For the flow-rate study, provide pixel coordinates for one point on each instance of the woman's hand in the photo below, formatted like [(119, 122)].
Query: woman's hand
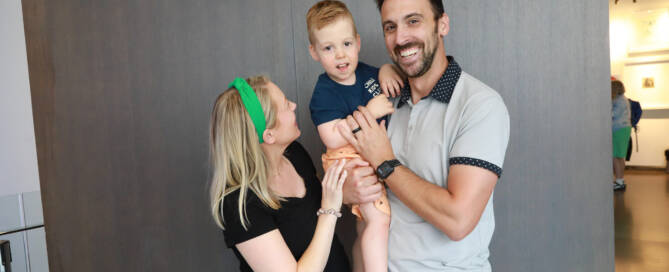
[(332, 186)]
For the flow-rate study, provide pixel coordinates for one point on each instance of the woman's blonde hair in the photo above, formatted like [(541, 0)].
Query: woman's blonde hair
[(237, 159)]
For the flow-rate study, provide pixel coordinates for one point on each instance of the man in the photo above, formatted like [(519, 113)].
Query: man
[(443, 151)]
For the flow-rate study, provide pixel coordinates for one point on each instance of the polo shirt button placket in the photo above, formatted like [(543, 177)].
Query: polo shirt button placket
[(409, 135)]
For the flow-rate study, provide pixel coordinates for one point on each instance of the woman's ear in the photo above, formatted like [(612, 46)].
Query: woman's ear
[(268, 136)]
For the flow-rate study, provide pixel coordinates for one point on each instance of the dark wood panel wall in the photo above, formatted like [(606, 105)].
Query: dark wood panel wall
[(122, 91)]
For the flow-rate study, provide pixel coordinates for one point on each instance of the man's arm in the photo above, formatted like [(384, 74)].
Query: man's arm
[(454, 210)]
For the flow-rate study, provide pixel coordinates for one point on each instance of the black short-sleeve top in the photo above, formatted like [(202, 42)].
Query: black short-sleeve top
[(296, 219)]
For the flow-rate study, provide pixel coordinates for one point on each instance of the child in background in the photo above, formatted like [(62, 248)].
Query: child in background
[(345, 85)]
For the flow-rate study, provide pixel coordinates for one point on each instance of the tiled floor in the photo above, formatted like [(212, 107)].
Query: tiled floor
[(642, 222)]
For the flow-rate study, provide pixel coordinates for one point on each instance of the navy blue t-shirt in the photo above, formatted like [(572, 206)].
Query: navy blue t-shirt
[(332, 100)]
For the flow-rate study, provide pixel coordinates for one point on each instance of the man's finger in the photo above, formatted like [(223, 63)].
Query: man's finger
[(383, 126), (355, 163), (351, 122), (348, 135), (367, 116), (360, 119), (365, 198), (364, 172)]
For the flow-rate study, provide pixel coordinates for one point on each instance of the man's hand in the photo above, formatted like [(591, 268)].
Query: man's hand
[(361, 185), (371, 141)]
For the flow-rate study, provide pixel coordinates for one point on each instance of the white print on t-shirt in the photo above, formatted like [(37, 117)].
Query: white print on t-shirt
[(372, 87)]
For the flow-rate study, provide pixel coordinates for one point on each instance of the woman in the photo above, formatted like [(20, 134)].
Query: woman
[(264, 193), (622, 127)]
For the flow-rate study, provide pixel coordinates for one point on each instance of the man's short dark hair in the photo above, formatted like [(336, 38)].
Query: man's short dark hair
[(437, 7)]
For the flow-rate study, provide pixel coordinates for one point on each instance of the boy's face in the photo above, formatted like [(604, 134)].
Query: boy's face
[(336, 48)]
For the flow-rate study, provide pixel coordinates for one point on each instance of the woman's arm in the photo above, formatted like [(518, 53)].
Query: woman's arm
[(269, 252)]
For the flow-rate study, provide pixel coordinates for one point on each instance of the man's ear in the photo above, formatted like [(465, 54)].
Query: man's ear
[(268, 136), (312, 51), (443, 25)]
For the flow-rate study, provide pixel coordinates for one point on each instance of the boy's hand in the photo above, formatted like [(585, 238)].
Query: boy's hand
[(391, 82), (380, 106)]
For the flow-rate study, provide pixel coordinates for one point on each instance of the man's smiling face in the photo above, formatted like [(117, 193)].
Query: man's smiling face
[(412, 34)]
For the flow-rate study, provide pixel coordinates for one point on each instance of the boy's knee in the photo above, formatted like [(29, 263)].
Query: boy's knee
[(380, 219)]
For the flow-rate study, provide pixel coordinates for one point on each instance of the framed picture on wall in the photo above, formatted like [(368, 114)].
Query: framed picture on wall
[(648, 82)]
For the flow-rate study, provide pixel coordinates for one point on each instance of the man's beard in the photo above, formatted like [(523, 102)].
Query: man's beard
[(425, 62)]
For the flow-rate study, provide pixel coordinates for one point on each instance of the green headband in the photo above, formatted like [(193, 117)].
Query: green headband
[(251, 103)]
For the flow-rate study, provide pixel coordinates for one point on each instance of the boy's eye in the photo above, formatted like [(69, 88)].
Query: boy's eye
[(327, 48), (413, 21), (347, 43)]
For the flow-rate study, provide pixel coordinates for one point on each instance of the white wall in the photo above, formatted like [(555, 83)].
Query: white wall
[(20, 201), (18, 156), (653, 140), (638, 52)]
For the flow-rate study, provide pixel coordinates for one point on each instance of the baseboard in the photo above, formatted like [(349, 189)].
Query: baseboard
[(648, 168)]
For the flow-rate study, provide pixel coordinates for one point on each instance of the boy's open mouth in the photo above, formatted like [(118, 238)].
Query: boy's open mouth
[(342, 67)]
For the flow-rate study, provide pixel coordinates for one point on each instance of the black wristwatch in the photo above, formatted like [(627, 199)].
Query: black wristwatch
[(386, 168)]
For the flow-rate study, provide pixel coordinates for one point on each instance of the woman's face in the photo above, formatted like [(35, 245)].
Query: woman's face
[(285, 128)]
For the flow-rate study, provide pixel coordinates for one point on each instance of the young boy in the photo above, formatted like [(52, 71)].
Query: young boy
[(345, 85)]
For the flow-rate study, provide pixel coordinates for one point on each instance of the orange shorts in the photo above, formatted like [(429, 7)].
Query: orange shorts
[(348, 152)]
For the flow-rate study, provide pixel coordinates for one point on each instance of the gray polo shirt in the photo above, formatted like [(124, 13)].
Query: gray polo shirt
[(462, 121)]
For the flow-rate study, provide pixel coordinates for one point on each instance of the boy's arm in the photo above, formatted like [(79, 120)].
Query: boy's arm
[(379, 106), (391, 80), (329, 134)]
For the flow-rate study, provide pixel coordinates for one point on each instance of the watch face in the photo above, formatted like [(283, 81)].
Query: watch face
[(384, 170)]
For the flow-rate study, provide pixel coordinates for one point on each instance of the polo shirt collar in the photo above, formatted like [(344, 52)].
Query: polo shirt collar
[(444, 88)]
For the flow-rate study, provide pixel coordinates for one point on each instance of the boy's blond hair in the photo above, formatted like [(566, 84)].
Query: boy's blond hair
[(324, 13)]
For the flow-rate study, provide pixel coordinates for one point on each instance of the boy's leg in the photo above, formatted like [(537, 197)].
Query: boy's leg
[(374, 238), (619, 168), (357, 252)]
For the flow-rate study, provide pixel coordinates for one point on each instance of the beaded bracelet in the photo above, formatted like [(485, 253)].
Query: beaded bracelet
[(328, 211)]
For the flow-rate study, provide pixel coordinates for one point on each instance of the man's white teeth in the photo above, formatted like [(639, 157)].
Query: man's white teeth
[(409, 52)]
